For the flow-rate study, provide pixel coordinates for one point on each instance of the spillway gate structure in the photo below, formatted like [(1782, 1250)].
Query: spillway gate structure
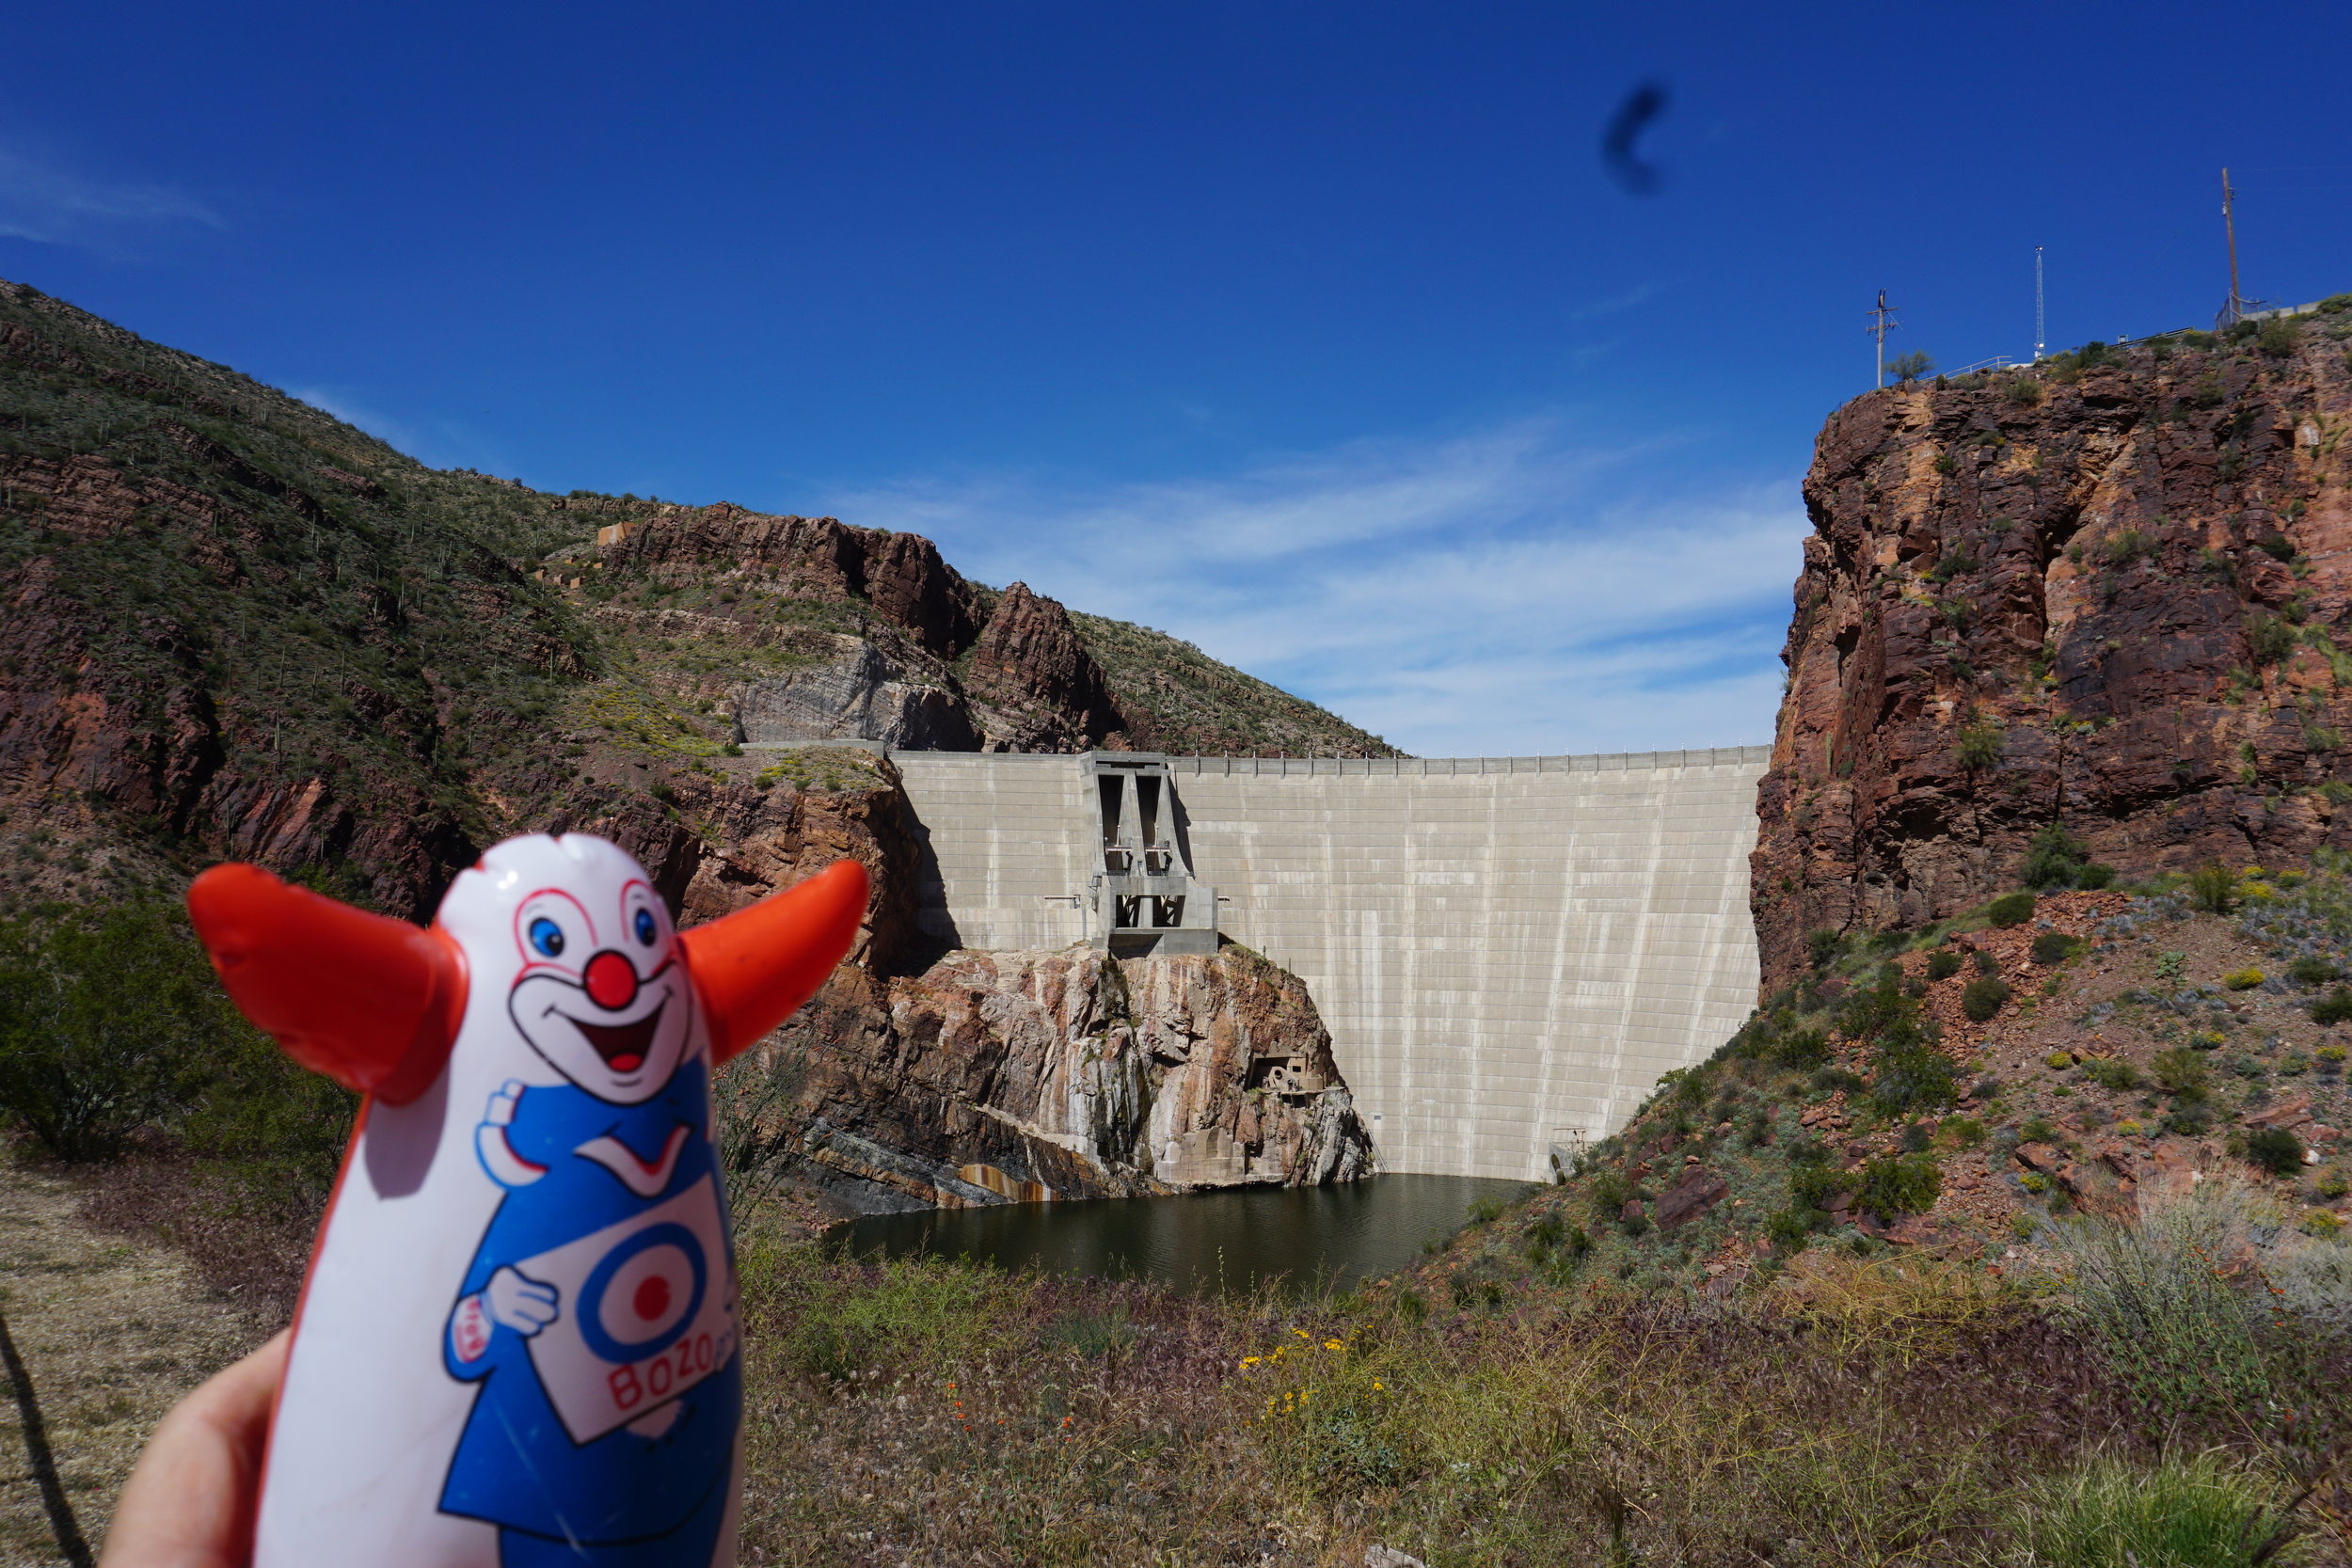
[(1508, 950)]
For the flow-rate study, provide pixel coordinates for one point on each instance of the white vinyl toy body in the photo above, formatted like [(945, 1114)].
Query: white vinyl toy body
[(518, 1344)]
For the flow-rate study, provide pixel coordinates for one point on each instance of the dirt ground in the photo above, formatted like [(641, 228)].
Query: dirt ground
[(111, 1332)]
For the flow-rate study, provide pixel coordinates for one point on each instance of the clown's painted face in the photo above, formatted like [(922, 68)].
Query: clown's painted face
[(600, 994)]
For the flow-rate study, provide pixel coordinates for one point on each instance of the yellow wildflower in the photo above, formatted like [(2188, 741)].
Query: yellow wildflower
[(1333, 1344)]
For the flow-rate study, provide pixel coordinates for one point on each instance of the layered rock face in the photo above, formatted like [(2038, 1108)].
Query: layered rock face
[(2109, 594), (870, 634), (1002, 1077)]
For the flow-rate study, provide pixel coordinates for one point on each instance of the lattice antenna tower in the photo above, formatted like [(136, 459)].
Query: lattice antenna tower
[(1882, 321)]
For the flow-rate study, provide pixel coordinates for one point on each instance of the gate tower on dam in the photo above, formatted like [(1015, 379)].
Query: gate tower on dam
[(1508, 950)]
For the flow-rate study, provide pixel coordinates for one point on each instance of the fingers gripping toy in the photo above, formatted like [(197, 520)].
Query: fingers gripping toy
[(517, 1342)]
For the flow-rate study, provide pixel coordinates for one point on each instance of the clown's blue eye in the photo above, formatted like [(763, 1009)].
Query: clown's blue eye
[(644, 927), (547, 936)]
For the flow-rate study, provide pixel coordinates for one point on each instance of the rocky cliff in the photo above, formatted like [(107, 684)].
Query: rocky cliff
[(799, 629), (2110, 596), (1013, 1076)]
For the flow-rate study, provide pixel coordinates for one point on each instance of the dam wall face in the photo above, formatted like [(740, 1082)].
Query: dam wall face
[(1508, 952)]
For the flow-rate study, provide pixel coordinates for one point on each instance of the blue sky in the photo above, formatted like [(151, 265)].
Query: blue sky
[(1314, 333)]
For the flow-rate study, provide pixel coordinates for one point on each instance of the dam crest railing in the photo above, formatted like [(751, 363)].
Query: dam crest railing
[(1282, 767)]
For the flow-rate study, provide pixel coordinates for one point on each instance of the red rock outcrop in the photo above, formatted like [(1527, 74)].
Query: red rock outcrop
[(2112, 594), (1014, 677), (1029, 663), (1010, 1076)]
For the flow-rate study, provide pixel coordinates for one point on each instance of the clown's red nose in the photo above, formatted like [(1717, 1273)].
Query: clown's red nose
[(611, 981)]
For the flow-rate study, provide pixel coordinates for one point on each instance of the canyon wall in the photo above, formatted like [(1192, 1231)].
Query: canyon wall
[(2110, 595)]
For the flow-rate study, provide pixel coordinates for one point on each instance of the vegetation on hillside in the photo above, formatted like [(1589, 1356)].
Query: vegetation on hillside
[(240, 613), (1183, 701)]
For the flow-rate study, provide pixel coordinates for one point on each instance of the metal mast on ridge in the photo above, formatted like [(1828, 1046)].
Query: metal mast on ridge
[(1882, 321)]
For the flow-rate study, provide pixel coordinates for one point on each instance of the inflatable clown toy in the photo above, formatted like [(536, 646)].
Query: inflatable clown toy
[(517, 1343)]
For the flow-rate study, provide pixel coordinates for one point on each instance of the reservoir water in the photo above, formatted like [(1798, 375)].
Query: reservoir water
[(1298, 1236)]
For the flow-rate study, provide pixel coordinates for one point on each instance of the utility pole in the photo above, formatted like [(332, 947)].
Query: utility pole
[(2236, 307), (1882, 321), (2040, 339)]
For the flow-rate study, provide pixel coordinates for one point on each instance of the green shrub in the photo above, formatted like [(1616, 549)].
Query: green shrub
[(2197, 1513), (1823, 945), (2010, 909), (2023, 391), (2054, 947), (1790, 1229), (1965, 1131), (2243, 980), (2277, 336), (1812, 1186), (1984, 997), (2038, 1129), (1899, 1184), (1801, 1047), (112, 1019), (2268, 638), (2053, 860), (1608, 1194), (1978, 744), (1987, 963), (2313, 971), (2095, 876), (2212, 887), (1943, 964), (1911, 1075), (2334, 1007), (2181, 1071), (1484, 1211), (2276, 1150), (2117, 1074)]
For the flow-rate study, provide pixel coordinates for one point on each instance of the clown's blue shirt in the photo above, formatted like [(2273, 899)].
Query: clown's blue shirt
[(515, 1466)]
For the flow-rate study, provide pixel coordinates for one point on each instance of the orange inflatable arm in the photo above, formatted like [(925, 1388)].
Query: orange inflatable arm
[(753, 969), (371, 1002)]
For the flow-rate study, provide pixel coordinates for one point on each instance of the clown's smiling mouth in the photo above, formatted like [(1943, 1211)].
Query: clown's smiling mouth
[(621, 1045)]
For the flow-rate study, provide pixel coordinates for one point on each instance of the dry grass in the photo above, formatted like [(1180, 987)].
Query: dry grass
[(112, 1331), (1857, 1412)]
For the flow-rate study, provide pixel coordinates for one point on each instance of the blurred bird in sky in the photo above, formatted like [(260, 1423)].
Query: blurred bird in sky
[(1641, 105)]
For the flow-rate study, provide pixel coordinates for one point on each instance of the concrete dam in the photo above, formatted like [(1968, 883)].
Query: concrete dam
[(1508, 952)]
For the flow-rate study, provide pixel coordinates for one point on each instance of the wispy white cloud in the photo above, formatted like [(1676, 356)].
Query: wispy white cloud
[(1528, 588), (43, 202)]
